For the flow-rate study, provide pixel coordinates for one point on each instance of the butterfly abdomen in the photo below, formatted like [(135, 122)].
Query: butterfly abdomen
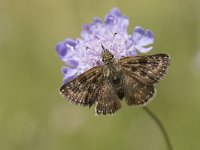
[(114, 77)]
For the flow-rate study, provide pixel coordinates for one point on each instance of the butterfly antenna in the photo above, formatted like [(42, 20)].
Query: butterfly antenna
[(91, 49), (103, 47)]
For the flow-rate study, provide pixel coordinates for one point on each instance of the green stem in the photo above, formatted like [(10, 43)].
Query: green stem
[(158, 122)]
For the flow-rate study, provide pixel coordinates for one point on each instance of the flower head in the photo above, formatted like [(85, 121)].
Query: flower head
[(83, 53)]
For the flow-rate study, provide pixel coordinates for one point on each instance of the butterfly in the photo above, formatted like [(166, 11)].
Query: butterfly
[(131, 78)]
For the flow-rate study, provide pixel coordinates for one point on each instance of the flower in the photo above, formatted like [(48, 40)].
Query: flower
[(81, 54)]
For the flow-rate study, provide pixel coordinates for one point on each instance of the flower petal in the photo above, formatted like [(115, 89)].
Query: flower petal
[(91, 29), (138, 34), (64, 70), (69, 73), (124, 23), (142, 39), (72, 62), (61, 49), (110, 18), (147, 38), (143, 49), (114, 18), (70, 42)]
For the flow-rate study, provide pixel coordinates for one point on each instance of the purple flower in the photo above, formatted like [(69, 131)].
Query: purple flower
[(81, 54)]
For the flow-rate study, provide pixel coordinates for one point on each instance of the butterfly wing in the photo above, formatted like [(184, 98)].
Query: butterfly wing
[(92, 87), (146, 69), (84, 89), (137, 93), (107, 102), (140, 74)]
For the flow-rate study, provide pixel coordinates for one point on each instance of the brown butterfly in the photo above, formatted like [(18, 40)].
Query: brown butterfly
[(132, 78)]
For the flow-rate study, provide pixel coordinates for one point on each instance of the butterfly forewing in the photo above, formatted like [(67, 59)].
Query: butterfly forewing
[(146, 69), (85, 88)]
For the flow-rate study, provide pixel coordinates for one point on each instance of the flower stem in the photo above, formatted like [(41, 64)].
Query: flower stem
[(160, 125)]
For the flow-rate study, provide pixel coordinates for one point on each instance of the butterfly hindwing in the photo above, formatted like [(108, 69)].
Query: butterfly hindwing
[(137, 93), (107, 101)]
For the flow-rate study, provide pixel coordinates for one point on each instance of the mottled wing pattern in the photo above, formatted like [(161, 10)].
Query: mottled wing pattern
[(84, 89), (137, 93), (146, 69), (107, 102), (140, 74)]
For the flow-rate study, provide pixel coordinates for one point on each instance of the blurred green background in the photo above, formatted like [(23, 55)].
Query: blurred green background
[(33, 116)]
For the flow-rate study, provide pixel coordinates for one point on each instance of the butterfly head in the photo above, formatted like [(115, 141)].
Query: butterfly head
[(107, 57)]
